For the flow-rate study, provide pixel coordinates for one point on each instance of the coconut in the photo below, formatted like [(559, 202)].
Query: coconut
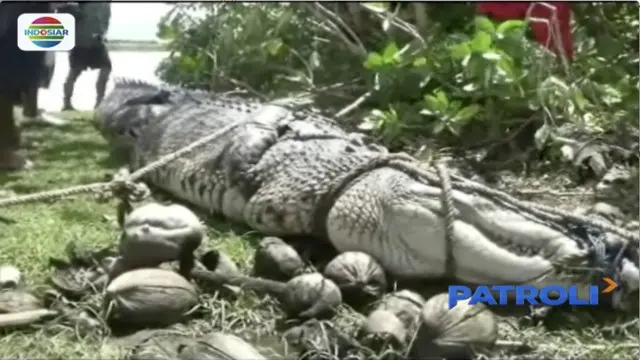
[(159, 346), (14, 301), (310, 295), (454, 333), (154, 233), (406, 306), (360, 277), (304, 296), (395, 317), (277, 260), (10, 276), (218, 261), (220, 346), (147, 297), (320, 339), (382, 326)]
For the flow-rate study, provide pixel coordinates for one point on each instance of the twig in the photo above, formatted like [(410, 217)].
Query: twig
[(335, 30), (554, 193), (247, 87), (354, 104), (397, 22), (336, 18)]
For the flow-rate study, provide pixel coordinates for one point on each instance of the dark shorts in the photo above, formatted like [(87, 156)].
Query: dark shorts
[(92, 57)]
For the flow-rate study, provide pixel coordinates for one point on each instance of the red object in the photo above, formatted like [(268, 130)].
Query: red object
[(518, 10)]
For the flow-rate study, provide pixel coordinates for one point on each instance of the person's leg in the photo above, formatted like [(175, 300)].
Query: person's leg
[(30, 102), (103, 75), (75, 69), (10, 159)]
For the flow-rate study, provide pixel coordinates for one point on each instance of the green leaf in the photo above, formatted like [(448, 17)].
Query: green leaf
[(438, 127), (373, 61), (460, 51), (421, 61), (369, 124), (273, 46), (443, 101), (506, 65), (467, 113), (491, 55), (390, 52), (454, 128), (431, 102), (484, 24), (481, 42), (511, 25)]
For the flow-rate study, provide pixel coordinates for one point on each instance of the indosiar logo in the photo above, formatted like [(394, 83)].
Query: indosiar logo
[(46, 32), (528, 295)]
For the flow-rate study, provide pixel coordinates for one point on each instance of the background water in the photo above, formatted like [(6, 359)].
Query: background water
[(139, 65)]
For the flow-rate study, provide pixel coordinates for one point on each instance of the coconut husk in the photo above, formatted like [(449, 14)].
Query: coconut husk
[(458, 333), (83, 272), (149, 297), (317, 339), (14, 301), (310, 295), (10, 276), (159, 347), (276, 260), (219, 346), (383, 326), (359, 276)]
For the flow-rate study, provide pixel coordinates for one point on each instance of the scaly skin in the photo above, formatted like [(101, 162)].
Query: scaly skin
[(273, 172)]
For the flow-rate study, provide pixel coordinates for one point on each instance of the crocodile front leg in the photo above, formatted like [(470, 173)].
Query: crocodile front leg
[(401, 223)]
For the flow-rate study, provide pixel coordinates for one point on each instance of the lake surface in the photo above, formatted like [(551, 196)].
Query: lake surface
[(139, 65)]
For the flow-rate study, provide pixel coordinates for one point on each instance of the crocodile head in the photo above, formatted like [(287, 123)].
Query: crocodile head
[(129, 107)]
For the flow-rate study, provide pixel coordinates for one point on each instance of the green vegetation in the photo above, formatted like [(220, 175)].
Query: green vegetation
[(460, 81)]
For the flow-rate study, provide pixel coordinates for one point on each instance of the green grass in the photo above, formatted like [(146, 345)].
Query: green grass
[(31, 233)]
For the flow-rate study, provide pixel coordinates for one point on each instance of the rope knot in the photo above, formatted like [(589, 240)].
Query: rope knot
[(126, 190)]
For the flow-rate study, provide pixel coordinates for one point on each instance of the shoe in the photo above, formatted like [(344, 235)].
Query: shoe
[(68, 107), (12, 161)]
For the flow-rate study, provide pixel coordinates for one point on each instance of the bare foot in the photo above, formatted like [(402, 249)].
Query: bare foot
[(13, 161)]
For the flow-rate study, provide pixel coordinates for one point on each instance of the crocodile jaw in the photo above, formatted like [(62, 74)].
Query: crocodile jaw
[(400, 222)]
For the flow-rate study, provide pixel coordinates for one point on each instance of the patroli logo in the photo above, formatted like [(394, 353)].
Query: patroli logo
[(46, 32), (528, 295)]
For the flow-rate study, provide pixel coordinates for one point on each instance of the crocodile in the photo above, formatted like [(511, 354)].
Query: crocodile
[(276, 172)]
